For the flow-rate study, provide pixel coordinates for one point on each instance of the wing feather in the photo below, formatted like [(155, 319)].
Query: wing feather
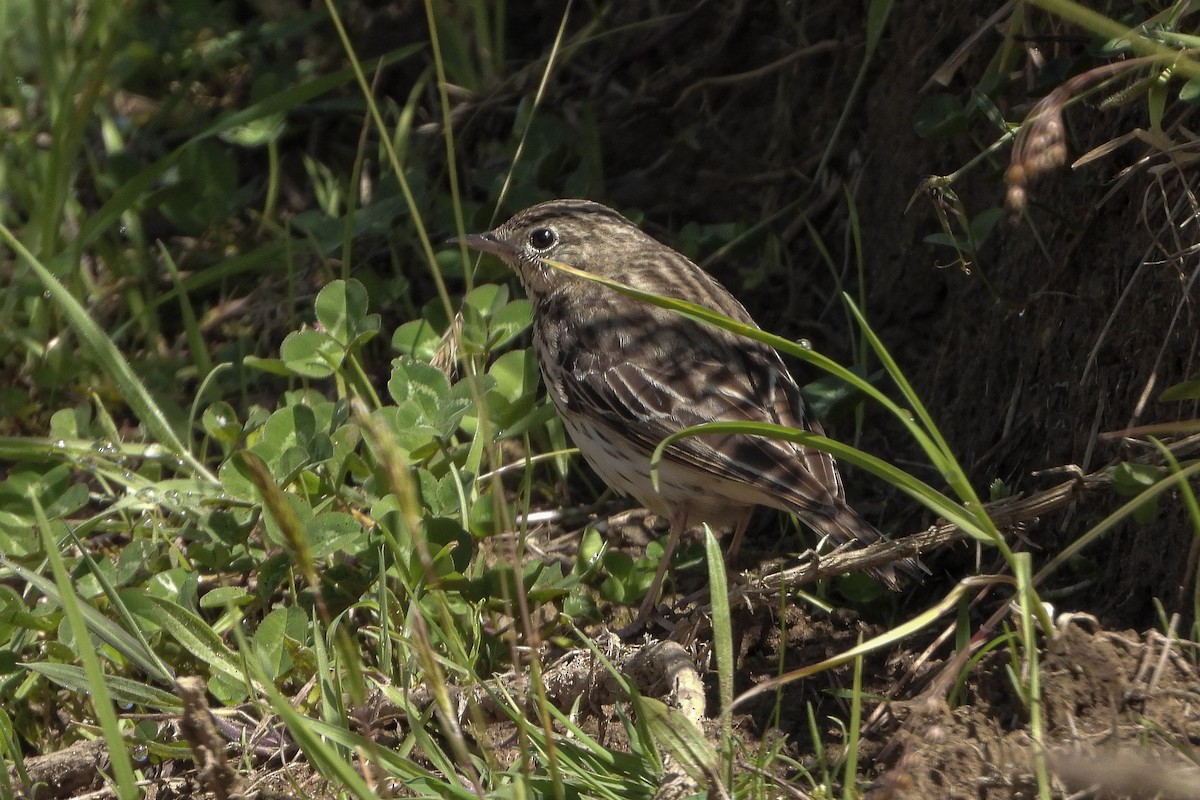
[(689, 374)]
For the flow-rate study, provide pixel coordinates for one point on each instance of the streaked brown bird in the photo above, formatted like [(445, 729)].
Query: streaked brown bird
[(624, 375)]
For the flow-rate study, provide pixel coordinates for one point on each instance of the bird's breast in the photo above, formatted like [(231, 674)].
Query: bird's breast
[(625, 467)]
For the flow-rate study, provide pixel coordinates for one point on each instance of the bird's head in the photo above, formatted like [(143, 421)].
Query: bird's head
[(580, 233)]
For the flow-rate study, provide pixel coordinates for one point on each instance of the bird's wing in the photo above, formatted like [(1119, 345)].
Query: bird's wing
[(692, 374)]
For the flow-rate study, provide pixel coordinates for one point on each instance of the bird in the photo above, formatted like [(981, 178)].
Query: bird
[(623, 375)]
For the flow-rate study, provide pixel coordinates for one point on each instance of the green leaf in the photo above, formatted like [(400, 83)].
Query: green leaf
[(425, 398), (14, 614), (224, 596), (497, 587), (294, 436), (220, 421), (512, 396), (137, 559), (679, 737), (273, 532), (270, 639), (271, 366), (1156, 100), (187, 629), (486, 298), (508, 322), (418, 340), (451, 412), (420, 384), (334, 531), (410, 430), (1132, 479), (122, 690), (473, 331), (1190, 91), (628, 580), (1188, 390), (591, 551), (450, 545), (69, 502), (311, 353), (516, 375), (439, 496), (71, 423), (878, 13), (258, 132), (202, 187), (983, 224), (341, 308)]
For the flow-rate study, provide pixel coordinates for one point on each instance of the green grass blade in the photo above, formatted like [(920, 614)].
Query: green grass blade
[(824, 363), (145, 655), (1031, 609), (12, 754), (887, 639), (914, 487), (1109, 522), (190, 632), (945, 461), (722, 622), (122, 690), (101, 701), (101, 626), (853, 728), (110, 359)]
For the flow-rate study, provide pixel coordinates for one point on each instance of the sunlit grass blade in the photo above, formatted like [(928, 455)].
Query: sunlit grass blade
[(190, 632), (722, 623), (110, 359), (927, 442), (101, 700), (1193, 509), (129, 645), (1108, 523), (121, 690), (940, 453), (12, 754), (145, 655), (914, 487), (1029, 610), (853, 731), (886, 639), (680, 738), (311, 734)]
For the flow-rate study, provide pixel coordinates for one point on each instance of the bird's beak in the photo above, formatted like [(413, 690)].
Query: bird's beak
[(487, 243)]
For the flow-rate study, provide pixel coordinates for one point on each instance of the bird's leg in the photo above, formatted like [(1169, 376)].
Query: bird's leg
[(735, 544), (678, 525)]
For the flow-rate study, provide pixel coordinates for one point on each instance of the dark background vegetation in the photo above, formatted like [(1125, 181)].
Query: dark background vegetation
[(778, 144)]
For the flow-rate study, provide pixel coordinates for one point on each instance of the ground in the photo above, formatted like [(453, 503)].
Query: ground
[(1067, 324)]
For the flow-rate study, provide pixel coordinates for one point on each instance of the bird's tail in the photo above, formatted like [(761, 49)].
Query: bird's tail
[(844, 525)]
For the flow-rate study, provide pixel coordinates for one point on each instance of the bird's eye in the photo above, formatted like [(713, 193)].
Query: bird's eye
[(542, 239)]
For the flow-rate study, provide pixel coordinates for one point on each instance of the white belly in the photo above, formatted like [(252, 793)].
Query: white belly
[(627, 470)]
